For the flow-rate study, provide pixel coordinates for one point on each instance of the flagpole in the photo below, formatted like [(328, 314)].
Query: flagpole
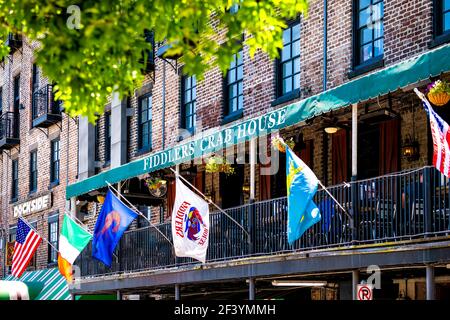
[(138, 212), (43, 238), (334, 199), (209, 201), (323, 187), (82, 225)]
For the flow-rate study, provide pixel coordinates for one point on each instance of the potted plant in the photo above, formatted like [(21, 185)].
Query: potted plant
[(219, 164), (279, 143), (156, 186), (439, 93)]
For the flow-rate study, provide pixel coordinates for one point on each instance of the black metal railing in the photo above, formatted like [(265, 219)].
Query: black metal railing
[(403, 206), (9, 125), (43, 102)]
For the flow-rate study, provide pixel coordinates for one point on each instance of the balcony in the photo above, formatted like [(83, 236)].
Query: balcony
[(407, 208), (9, 130), (45, 110), (14, 42)]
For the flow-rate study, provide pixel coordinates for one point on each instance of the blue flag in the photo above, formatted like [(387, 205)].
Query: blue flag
[(113, 220), (301, 185)]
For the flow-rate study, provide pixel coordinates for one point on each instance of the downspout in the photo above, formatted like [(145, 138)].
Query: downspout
[(325, 45), (164, 106), (324, 87), (67, 157)]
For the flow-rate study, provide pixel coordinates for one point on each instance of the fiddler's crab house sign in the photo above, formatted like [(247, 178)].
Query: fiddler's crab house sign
[(37, 204)]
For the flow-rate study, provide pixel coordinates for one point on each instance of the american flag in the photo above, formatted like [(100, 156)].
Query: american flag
[(441, 139), (27, 241)]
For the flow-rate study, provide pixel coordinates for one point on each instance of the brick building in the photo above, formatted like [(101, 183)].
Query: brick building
[(36, 160), (343, 91)]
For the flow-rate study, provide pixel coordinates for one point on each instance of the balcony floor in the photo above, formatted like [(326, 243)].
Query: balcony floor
[(8, 143), (393, 254)]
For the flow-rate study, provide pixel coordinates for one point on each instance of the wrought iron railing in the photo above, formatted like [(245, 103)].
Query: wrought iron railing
[(9, 125), (403, 206), (44, 103)]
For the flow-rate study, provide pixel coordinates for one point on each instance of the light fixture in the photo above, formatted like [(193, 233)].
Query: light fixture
[(410, 149), (331, 129), (100, 199), (246, 188), (298, 283)]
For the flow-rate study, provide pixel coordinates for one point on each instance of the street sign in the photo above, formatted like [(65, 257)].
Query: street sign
[(364, 292)]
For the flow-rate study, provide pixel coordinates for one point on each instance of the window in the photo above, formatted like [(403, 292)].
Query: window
[(53, 239), (147, 212), (289, 62), (35, 88), (442, 17), (16, 93), (446, 16), (11, 238), (33, 171), (145, 123), (54, 162), (15, 180), (234, 93), (107, 137), (189, 102), (368, 32)]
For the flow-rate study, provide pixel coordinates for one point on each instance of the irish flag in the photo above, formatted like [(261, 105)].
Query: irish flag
[(72, 241)]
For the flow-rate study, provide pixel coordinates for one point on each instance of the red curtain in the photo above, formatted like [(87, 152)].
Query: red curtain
[(264, 184), (170, 198), (339, 156), (198, 181), (306, 153), (389, 146)]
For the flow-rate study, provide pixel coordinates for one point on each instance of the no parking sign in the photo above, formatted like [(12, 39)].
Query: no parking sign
[(364, 292)]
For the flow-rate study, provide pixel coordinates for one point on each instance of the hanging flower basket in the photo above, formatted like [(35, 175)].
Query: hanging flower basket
[(156, 186), (279, 143), (439, 93), (219, 164)]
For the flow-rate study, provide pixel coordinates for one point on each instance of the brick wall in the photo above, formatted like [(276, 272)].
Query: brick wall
[(33, 138), (408, 31)]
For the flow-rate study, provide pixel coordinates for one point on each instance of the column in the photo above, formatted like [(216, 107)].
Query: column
[(354, 189), (355, 282), (177, 292), (86, 148), (251, 289), (118, 131), (431, 285)]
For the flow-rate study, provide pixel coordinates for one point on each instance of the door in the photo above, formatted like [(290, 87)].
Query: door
[(231, 188)]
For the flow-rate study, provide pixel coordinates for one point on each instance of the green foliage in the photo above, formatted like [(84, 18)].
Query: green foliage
[(219, 164), (439, 86), (104, 51)]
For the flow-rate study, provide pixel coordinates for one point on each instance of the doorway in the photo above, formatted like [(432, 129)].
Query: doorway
[(231, 187)]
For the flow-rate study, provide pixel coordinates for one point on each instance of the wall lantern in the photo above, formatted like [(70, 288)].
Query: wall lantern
[(410, 149)]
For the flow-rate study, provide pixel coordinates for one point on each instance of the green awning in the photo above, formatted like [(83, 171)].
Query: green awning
[(431, 63), (55, 285)]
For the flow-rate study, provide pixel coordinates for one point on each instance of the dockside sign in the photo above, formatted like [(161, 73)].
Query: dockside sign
[(40, 203)]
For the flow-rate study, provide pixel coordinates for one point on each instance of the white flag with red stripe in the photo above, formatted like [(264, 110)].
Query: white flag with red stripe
[(441, 137), (27, 241)]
